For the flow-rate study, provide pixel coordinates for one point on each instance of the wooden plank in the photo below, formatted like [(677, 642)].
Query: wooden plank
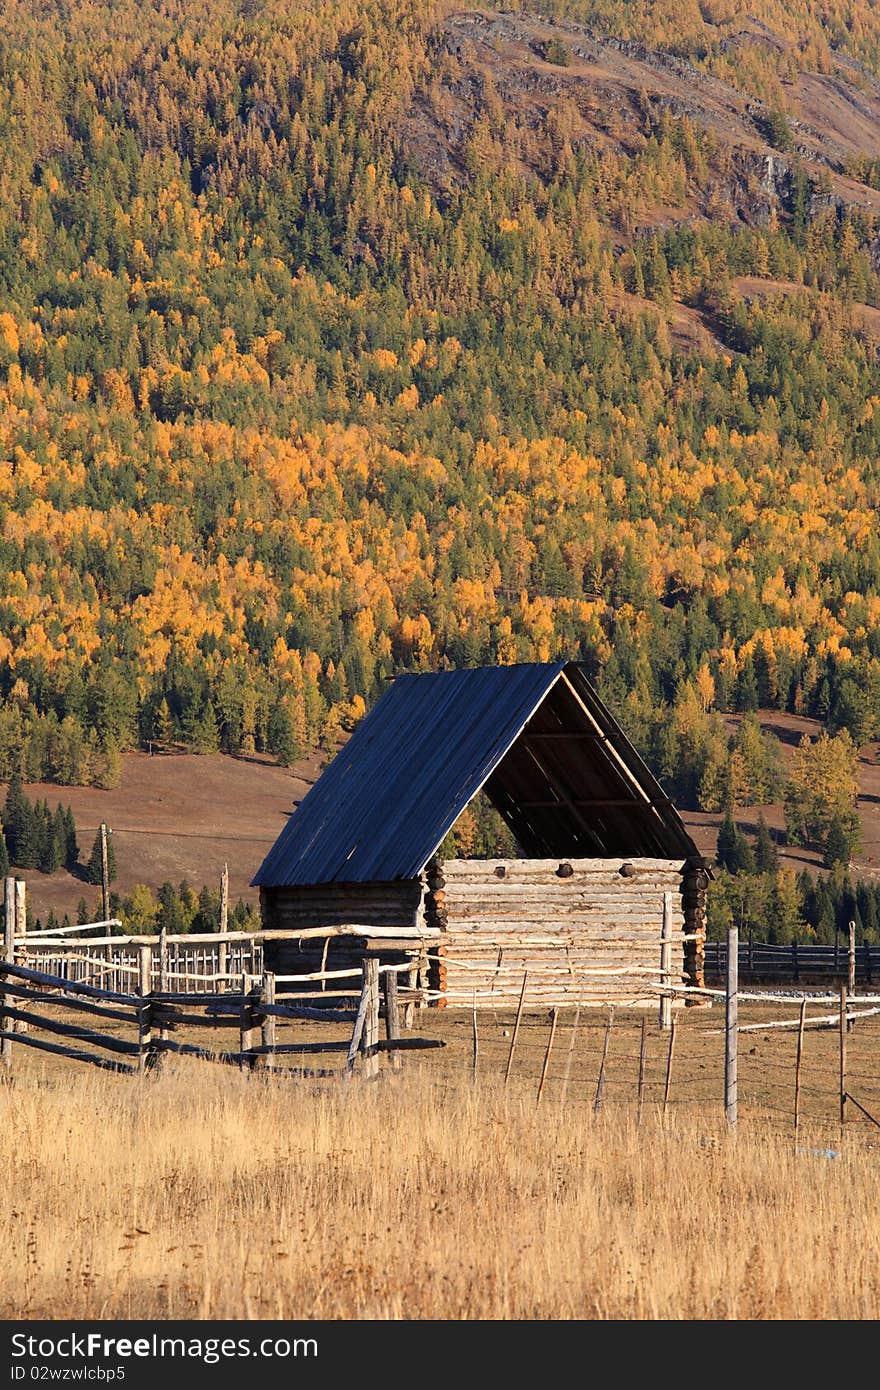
[(246, 1026), (476, 1040), (199, 999), (299, 1011), (666, 963), (60, 1001), (163, 973), (223, 949), (71, 1030), (851, 973), (43, 1045), (406, 935), (165, 1017), (206, 1054), (105, 871), (22, 972), (52, 932)]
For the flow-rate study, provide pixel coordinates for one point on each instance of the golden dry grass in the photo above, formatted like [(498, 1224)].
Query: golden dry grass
[(204, 1193)]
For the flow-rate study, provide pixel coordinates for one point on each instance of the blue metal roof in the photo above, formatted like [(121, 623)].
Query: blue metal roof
[(386, 802), (406, 774)]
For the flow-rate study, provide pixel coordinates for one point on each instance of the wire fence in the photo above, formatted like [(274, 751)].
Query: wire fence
[(802, 1058)]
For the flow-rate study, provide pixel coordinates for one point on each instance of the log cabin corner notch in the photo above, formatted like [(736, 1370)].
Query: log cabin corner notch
[(601, 844)]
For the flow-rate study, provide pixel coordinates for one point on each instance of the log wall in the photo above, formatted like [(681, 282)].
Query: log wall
[(329, 905), (340, 904), (563, 923)]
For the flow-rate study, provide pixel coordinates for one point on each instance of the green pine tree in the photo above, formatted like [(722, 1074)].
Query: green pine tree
[(27, 847), (766, 857), (283, 741), (14, 814), (71, 847)]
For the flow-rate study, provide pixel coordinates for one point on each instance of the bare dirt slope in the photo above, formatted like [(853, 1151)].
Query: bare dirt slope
[(177, 816), (609, 89)]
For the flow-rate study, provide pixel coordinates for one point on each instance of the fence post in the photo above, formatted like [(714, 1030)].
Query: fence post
[(642, 1056), (665, 959), (145, 1009), (797, 1067), (357, 1034), (20, 934), (267, 1027), (222, 957), (668, 1086), (105, 872), (9, 958), (369, 1042), (412, 980), (842, 1054), (545, 1067), (851, 973), (570, 1054), (476, 1040), (600, 1084), (245, 1026), (519, 1009), (163, 972), (731, 1026), (392, 1015)]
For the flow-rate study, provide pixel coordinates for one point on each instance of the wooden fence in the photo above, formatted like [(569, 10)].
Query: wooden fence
[(798, 963), (115, 964), (253, 1012), (82, 990)]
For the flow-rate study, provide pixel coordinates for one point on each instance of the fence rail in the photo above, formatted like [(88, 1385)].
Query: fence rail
[(154, 1015), (760, 963), (116, 965)]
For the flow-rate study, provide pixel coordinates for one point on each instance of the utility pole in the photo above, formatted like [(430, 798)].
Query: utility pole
[(105, 872)]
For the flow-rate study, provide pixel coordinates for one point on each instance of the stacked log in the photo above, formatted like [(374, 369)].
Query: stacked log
[(587, 931)]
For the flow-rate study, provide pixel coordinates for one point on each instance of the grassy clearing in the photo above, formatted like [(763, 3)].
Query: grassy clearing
[(205, 1193)]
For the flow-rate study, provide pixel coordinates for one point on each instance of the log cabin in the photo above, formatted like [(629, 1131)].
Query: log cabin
[(605, 869)]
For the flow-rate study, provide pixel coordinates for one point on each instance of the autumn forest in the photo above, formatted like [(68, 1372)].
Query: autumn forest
[(289, 402)]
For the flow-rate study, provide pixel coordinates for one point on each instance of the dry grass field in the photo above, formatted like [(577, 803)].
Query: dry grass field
[(202, 1192)]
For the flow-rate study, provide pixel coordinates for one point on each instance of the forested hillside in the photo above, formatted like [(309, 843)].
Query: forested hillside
[(338, 339)]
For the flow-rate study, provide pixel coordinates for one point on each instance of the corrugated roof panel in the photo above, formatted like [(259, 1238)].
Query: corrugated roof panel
[(406, 774)]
